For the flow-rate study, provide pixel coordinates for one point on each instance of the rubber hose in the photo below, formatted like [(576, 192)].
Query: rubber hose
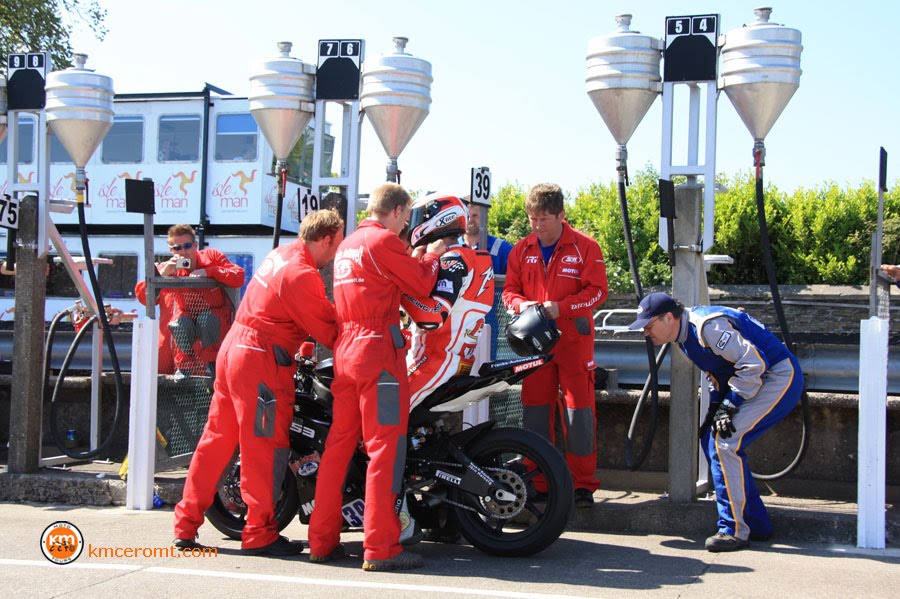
[(652, 382), (279, 204), (653, 378), (70, 354), (113, 356), (782, 322), (48, 351)]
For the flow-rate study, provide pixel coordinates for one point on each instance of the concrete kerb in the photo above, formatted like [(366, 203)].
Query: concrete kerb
[(615, 511)]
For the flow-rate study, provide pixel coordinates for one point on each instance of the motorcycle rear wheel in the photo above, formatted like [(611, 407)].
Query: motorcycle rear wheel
[(538, 521), (228, 513)]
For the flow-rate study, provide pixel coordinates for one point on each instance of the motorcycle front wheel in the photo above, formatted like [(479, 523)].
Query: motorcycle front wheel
[(530, 522), (228, 513)]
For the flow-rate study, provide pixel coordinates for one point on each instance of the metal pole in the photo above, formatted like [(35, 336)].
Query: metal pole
[(683, 410), (150, 272), (25, 413), (879, 287)]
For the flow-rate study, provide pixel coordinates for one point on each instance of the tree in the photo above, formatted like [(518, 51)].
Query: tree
[(46, 26)]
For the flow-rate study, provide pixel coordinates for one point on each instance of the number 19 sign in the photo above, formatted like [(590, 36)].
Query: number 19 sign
[(481, 185)]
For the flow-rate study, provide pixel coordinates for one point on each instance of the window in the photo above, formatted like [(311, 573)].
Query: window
[(26, 141), (125, 141), (7, 283), (245, 261), (237, 138), (179, 138), (59, 283), (300, 160), (58, 152), (117, 279)]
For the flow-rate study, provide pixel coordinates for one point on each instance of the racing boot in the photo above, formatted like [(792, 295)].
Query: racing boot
[(280, 547), (722, 541), (410, 532), (187, 544), (337, 553), (402, 561)]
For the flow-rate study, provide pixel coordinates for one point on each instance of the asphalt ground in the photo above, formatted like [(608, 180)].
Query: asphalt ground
[(617, 510), (579, 564)]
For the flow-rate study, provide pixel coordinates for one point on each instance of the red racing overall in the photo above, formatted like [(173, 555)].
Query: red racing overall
[(203, 313), (371, 392), (575, 278), (448, 323), (253, 403)]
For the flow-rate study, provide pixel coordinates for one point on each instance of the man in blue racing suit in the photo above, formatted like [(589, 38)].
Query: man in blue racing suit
[(754, 383)]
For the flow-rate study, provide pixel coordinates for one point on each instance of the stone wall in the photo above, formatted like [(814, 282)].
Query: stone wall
[(810, 310), (829, 468)]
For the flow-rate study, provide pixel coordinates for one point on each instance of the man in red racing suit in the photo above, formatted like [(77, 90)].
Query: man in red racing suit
[(447, 324), (564, 270), (253, 403), (370, 388), (193, 322)]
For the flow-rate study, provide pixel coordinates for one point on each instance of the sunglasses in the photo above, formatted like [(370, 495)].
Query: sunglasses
[(183, 246)]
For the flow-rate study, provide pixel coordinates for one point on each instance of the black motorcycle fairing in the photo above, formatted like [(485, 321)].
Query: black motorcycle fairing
[(521, 367)]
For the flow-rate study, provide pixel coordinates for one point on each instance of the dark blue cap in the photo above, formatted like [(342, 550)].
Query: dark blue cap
[(651, 306)]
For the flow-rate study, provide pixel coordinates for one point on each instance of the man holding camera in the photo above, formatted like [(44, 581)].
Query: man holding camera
[(196, 319)]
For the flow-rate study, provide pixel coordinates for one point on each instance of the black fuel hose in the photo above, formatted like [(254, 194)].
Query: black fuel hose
[(279, 206), (652, 383), (113, 356), (63, 371), (782, 321), (48, 350), (653, 378)]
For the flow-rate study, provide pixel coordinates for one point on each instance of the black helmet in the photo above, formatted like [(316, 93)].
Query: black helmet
[(531, 333)]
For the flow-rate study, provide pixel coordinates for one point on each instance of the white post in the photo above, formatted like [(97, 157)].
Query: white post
[(481, 411), (142, 415), (873, 359)]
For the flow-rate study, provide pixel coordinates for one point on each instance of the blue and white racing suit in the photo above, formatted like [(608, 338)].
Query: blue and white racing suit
[(748, 365)]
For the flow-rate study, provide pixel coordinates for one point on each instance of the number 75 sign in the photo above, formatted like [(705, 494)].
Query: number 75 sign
[(9, 213)]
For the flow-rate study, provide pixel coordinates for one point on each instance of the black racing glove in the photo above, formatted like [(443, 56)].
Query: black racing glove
[(723, 421)]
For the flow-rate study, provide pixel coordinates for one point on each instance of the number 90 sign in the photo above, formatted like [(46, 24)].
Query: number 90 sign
[(481, 185)]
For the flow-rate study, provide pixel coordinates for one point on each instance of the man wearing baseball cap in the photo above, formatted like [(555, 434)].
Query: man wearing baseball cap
[(754, 382)]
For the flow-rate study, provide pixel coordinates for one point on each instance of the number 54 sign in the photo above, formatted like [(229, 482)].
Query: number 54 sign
[(481, 185)]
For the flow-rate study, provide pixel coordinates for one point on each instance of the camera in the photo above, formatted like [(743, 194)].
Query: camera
[(184, 263)]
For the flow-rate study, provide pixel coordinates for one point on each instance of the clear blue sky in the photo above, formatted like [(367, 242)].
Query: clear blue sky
[(509, 89)]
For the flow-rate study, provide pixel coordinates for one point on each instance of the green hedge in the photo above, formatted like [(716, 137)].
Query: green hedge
[(820, 235)]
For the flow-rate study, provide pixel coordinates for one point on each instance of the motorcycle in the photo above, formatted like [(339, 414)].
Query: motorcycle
[(482, 480)]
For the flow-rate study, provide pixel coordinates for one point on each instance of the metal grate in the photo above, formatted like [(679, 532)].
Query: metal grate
[(506, 407), (193, 322)]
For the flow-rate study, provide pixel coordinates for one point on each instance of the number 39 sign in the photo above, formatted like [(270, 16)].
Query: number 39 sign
[(481, 185)]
